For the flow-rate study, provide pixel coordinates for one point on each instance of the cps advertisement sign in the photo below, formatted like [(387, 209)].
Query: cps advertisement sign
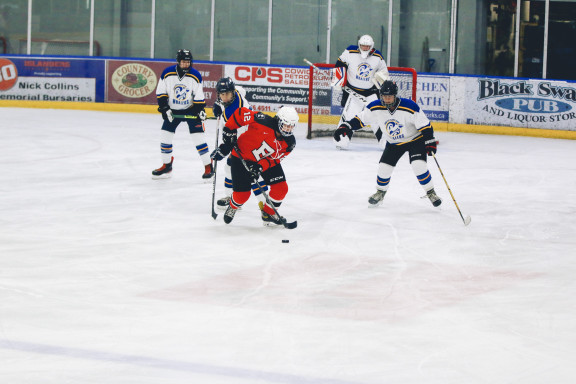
[(51, 79), (269, 87), (517, 103)]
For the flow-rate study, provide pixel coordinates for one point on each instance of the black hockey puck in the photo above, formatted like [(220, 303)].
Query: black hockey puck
[(285, 241)]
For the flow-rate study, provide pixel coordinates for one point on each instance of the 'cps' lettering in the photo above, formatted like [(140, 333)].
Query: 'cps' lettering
[(272, 75)]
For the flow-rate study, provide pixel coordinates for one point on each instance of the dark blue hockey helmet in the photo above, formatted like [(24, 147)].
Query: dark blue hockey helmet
[(388, 88), (184, 54), (225, 85)]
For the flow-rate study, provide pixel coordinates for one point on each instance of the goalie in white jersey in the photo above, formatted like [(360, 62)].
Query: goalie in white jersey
[(180, 93), (359, 68), (407, 129)]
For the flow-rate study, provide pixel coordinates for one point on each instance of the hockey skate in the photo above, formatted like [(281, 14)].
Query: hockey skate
[(434, 199), (229, 214), (208, 172), (272, 220), (223, 202), (164, 172), (377, 198)]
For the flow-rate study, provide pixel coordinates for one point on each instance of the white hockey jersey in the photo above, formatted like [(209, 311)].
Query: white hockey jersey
[(361, 71), (405, 124), (182, 92)]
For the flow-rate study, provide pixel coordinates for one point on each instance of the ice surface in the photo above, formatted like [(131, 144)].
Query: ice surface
[(108, 276)]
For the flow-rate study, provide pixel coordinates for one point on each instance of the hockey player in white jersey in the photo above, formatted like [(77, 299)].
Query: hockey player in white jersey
[(180, 92), (361, 63), (230, 98), (407, 129)]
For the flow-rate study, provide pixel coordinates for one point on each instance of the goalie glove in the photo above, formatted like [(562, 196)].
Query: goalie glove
[(166, 113), (430, 146), (343, 131)]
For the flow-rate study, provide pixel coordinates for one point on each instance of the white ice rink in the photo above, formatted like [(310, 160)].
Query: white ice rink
[(108, 276)]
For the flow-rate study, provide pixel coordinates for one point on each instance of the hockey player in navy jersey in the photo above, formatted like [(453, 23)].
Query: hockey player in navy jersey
[(231, 98), (407, 129), (361, 63), (180, 92)]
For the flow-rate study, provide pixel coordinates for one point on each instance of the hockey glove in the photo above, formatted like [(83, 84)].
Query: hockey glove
[(217, 110), (217, 155), (228, 137), (342, 131), (254, 169), (430, 146), (202, 115), (166, 113)]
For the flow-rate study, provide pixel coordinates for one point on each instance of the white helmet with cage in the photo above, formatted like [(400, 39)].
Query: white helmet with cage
[(287, 120), (365, 40)]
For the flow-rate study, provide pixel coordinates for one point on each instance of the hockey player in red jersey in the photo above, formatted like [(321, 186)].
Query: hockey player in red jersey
[(258, 152)]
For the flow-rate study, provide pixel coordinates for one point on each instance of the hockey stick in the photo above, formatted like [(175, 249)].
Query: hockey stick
[(214, 214), (193, 117), (468, 218), (288, 225)]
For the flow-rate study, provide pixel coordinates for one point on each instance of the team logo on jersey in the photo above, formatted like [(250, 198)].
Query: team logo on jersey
[(363, 72), (180, 94), (134, 80), (394, 129)]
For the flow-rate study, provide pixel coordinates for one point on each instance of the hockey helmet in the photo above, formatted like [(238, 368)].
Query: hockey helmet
[(287, 120), (225, 85), (365, 40), (184, 54), (388, 88)]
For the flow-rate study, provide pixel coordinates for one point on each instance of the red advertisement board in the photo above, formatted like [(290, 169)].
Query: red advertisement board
[(135, 82)]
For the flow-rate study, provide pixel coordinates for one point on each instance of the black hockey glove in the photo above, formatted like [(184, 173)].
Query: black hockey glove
[(217, 110), (228, 137), (254, 169), (166, 113), (342, 131), (431, 146), (219, 153)]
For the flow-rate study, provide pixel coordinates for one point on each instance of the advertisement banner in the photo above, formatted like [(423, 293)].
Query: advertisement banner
[(512, 102), (269, 87), (135, 82), (51, 79), (433, 96)]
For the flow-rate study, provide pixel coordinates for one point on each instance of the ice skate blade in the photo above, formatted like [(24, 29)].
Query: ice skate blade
[(162, 176)]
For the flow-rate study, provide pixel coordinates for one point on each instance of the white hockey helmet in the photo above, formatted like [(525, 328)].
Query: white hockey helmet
[(287, 120), (365, 40)]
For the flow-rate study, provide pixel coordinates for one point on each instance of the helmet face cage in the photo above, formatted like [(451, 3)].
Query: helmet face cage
[(388, 88), (225, 85), (287, 120), (365, 40)]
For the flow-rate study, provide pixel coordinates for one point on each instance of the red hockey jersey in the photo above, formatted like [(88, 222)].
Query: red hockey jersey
[(262, 142)]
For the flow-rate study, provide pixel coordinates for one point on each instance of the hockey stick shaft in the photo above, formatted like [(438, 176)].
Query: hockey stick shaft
[(193, 117), (214, 214), (465, 220)]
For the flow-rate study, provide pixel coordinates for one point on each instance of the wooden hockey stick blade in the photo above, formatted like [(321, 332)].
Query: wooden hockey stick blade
[(467, 220)]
